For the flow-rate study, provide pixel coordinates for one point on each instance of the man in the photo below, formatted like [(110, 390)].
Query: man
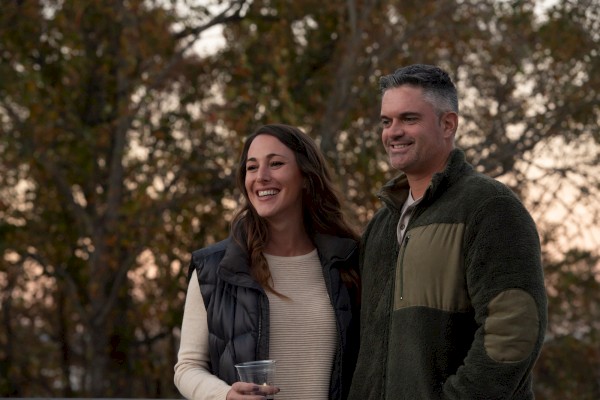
[(453, 301)]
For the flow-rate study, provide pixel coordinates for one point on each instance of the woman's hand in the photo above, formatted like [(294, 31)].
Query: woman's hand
[(250, 391)]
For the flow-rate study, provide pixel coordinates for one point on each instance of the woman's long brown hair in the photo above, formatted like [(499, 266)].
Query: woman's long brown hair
[(320, 200)]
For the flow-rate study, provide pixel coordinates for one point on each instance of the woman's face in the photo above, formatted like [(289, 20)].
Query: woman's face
[(273, 180)]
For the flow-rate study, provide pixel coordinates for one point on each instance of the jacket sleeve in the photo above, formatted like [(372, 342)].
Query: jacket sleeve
[(192, 373), (506, 286)]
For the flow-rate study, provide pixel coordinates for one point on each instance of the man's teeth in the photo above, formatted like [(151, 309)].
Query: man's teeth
[(399, 146), (271, 192)]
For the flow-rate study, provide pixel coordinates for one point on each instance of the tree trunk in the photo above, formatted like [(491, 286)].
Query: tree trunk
[(97, 361)]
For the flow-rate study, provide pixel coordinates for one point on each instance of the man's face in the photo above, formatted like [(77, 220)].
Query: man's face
[(416, 140)]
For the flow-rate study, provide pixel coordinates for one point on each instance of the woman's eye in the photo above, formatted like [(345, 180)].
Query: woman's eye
[(276, 163), (250, 167)]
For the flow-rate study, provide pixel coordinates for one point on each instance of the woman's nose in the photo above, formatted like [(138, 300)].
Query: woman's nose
[(263, 174)]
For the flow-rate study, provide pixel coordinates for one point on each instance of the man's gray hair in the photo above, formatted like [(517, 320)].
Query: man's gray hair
[(437, 86)]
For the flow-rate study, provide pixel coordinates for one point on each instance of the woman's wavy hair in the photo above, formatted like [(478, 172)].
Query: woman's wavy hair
[(320, 200)]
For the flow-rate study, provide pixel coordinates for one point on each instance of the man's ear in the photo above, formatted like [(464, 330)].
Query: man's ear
[(449, 123)]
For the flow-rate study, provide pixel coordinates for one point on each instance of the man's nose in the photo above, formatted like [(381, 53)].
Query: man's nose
[(395, 129)]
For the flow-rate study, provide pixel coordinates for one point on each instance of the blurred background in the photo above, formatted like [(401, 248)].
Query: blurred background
[(121, 123)]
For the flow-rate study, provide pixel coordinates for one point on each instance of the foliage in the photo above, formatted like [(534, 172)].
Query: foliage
[(118, 141), (106, 176), (569, 367)]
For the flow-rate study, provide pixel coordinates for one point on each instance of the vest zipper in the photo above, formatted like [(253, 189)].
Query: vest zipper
[(326, 268), (260, 355)]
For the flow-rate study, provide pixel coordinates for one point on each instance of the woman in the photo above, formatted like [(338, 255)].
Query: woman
[(284, 286)]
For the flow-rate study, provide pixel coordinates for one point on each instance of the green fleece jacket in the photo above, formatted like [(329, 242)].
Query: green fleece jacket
[(458, 310)]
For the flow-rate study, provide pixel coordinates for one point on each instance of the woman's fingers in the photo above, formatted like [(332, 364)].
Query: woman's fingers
[(250, 391)]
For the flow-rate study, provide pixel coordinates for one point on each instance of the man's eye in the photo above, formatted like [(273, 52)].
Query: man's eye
[(385, 122)]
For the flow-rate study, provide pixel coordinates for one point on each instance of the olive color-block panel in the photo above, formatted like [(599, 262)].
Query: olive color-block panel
[(430, 269), (512, 326)]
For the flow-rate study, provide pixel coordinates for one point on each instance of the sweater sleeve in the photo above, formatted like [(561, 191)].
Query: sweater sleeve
[(506, 285), (192, 373)]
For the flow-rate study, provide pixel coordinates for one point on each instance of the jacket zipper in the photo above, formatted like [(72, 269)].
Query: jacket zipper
[(404, 245), (401, 283)]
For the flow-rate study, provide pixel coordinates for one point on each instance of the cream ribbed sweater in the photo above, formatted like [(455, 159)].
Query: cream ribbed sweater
[(302, 335)]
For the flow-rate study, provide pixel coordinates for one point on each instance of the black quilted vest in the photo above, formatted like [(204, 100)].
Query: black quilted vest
[(238, 308)]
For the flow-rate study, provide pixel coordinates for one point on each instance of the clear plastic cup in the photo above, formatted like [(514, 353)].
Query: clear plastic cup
[(259, 372)]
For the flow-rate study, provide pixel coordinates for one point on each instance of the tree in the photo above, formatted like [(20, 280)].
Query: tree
[(104, 164), (570, 364), (529, 92), (118, 142)]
